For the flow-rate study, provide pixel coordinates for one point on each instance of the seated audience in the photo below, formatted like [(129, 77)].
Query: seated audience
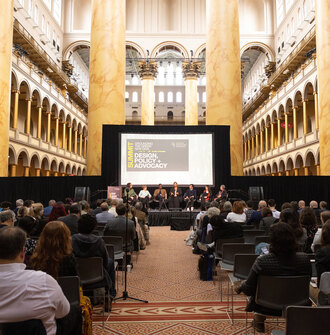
[(226, 209), (5, 206), (291, 217), (325, 216), (286, 205), (28, 224), (26, 294), (267, 220), (301, 205), (37, 211), (249, 210), (322, 256), (85, 207), (145, 196), (48, 209), (142, 220), (104, 216), (19, 204), (117, 227), (308, 221), (323, 206), (57, 212), (113, 204), (256, 215), (282, 260), (85, 245), (71, 220), (237, 214), (98, 209), (139, 241), (7, 218), (272, 207), (22, 211), (314, 205)]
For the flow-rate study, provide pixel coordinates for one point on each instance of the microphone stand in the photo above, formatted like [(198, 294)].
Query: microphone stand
[(125, 295)]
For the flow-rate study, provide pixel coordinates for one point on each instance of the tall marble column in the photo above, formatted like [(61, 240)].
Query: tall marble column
[(148, 73), (223, 75), (49, 120), (106, 75), (56, 130), (316, 107), (28, 115), (15, 115), (323, 67), (191, 72), (305, 116), (295, 129), (39, 121), (6, 38), (70, 139)]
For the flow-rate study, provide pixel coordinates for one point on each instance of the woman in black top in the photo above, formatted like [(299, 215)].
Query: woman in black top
[(322, 257), (175, 196)]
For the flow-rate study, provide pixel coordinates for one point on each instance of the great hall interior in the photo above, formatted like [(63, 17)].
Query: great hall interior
[(69, 67)]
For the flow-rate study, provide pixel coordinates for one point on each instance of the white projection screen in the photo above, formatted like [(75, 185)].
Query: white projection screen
[(151, 159)]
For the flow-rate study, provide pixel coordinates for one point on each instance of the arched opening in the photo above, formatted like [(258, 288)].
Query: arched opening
[(53, 168), (44, 118), (310, 107), (68, 169), (35, 166), (290, 167), (299, 107), (299, 165), (22, 164), (170, 115), (289, 111), (274, 168), (310, 165), (24, 97), (45, 167), (11, 162), (74, 170), (263, 170)]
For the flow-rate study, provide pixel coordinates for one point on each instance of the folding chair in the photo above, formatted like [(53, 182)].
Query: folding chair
[(247, 227), (117, 242), (111, 253), (250, 235), (324, 287), (71, 288)]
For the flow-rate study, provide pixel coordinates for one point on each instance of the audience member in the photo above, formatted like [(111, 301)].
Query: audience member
[(139, 241), (117, 227), (71, 220), (325, 216), (98, 209), (142, 219), (113, 204), (37, 211), (256, 215), (308, 221), (272, 207), (301, 205), (322, 256), (27, 223), (226, 209), (57, 212), (282, 260), (19, 204), (268, 219), (28, 203), (286, 205), (295, 206), (22, 211), (323, 206), (7, 218), (84, 207), (85, 245), (237, 214), (291, 217), (314, 205), (104, 216), (26, 294), (249, 210), (5, 206), (48, 209)]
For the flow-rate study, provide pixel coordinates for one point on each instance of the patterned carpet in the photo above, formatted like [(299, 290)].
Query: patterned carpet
[(166, 275)]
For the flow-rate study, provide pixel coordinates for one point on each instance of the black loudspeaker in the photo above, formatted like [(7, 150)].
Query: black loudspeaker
[(256, 193), (81, 193)]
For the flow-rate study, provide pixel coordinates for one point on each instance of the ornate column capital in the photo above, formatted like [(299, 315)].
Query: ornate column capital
[(148, 70), (191, 70)]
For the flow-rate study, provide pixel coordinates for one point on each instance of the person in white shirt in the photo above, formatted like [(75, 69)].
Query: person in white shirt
[(145, 196), (27, 294), (325, 216), (237, 214), (272, 207)]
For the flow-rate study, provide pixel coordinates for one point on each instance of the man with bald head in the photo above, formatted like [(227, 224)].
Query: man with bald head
[(301, 205), (104, 216), (256, 215)]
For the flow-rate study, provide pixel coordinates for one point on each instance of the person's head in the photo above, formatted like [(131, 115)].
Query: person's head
[(133, 211), (121, 209), (53, 245), (212, 211), (114, 203), (160, 186), (282, 240), (84, 205), (27, 223), (249, 204), (51, 203), (206, 188), (301, 204), (227, 207), (12, 242), (104, 206), (57, 211), (129, 185), (22, 211), (217, 221), (75, 209), (291, 217), (222, 187), (313, 204), (325, 235), (28, 203), (19, 203), (294, 205), (244, 204), (323, 205), (191, 186), (175, 184), (286, 205), (5, 205), (307, 218), (139, 206), (7, 217), (325, 216), (37, 210), (144, 187), (214, 204), (99, 202), (266, 212), (68, 200), (86, 224), (271, 203), (238, 207), (262, 204)]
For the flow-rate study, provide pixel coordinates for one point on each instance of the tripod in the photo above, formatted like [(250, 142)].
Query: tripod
[(125, 293)]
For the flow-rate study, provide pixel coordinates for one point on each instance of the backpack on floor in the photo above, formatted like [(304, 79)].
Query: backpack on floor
[(203, 264)]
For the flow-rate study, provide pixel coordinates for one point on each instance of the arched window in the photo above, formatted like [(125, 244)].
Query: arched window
[(170, 115), (204, 81), (178, 97), (30, 8), (135, 97), (36, 14), (170, 97), (161, 97), (127, 96), (57, 8)]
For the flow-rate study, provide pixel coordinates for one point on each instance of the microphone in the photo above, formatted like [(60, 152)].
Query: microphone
[(127, 189)]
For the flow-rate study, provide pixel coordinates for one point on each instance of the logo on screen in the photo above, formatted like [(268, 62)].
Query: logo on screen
[(157, 155)]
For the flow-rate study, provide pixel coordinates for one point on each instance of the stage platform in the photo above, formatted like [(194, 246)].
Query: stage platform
[(178, 220)]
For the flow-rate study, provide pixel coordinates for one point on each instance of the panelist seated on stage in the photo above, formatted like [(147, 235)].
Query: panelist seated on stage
[(190, 197), (222, 195), (160, 195), (129, 194), (117, 227), (206, 195), (175, 197), (145, 196)]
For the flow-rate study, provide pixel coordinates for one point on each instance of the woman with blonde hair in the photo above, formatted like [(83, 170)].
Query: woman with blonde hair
[(37, 212)]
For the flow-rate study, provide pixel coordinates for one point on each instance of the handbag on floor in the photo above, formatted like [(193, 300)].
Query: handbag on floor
[(203, 265)]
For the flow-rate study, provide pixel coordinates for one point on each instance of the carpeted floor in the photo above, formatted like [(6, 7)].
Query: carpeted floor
[(166, 275)]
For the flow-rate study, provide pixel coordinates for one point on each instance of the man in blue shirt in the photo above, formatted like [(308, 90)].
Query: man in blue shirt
[(190, 197)]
